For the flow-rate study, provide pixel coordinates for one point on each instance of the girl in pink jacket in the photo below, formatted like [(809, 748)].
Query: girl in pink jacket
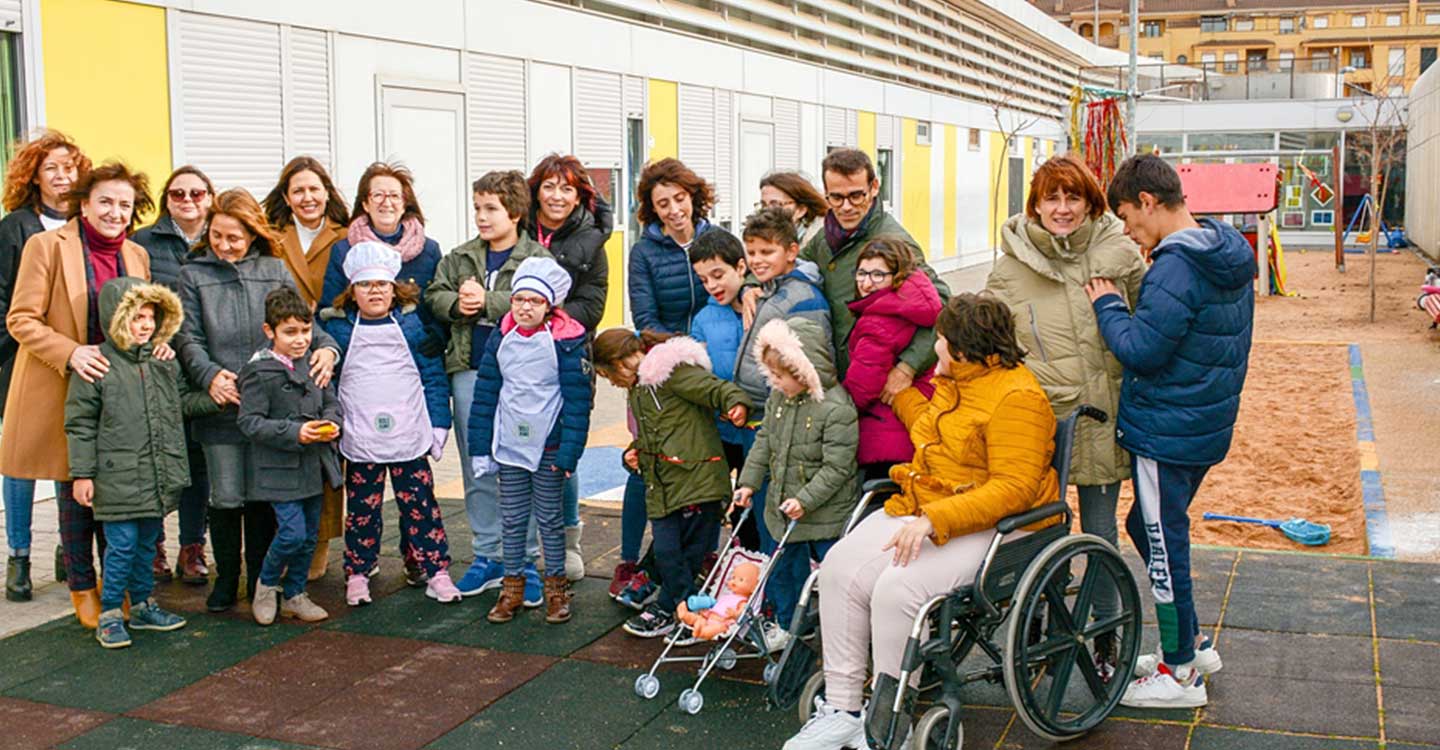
[(891, 303)]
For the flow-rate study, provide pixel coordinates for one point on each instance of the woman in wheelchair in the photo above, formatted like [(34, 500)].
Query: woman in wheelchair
[(983, 445)]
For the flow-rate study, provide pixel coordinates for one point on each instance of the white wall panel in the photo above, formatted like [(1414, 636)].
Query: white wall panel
[(548, 105), (495, 113)]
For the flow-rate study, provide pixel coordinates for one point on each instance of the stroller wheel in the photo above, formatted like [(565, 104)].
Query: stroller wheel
[(931, 733), (691, 701), (772, 670), (726, 660), (647, 686)]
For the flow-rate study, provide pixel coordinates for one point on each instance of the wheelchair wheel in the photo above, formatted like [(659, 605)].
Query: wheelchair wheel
[(1054, 681), (814, 687), (787, 677), (930, 731)]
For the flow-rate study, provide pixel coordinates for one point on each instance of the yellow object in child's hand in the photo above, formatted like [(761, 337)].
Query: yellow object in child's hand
[(327, 429)]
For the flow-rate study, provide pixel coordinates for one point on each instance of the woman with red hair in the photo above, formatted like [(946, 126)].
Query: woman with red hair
[(1047, 254)]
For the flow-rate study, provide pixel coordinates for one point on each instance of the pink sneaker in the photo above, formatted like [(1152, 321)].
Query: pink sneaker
[(357, 590), (441, 589)]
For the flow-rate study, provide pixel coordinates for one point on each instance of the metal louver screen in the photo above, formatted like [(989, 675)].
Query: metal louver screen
[(885, 132), (307, 121), (787, 134), (724, 155), (697, 130), (634, 96), (835, 122), (599, 119), (495, 104), (231, 105)]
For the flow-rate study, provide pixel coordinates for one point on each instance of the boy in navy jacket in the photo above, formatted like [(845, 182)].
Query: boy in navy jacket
[(1185, 351)]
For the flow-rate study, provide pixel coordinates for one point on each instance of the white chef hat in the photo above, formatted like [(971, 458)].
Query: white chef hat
[(544, 277), (372, 261)]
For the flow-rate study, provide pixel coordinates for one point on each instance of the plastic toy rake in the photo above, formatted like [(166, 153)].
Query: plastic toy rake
[(1299, 530)]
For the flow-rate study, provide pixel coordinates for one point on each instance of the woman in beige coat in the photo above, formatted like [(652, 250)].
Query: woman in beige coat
[(1065, 238), (54, 317)]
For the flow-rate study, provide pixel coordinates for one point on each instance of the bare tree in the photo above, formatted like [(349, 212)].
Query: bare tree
[(1379, 148), (1010, 124)]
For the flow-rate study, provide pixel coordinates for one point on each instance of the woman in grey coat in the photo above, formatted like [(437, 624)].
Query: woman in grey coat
[(223, 292)]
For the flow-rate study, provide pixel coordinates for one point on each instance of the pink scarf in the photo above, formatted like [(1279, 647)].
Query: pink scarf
[(412, 241)]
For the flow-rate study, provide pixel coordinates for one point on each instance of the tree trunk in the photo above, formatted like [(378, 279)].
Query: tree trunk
[(1375, 169)]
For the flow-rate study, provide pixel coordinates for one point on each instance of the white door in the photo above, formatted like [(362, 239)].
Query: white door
[(757, 158), (425, 130)]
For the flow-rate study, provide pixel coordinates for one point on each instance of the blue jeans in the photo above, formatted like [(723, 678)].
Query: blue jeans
[(129, 553), (297, 523), (482, 496), (788, 574), (19, 514), (632, 519)]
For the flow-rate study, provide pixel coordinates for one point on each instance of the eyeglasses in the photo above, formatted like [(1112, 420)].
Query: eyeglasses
[(373, 285), (875, 277), (384, 197), (856, 198), (528, 302), (196, 194), (774, 204)]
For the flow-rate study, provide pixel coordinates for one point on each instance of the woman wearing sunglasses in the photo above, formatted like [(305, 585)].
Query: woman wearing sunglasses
[(169, 241)]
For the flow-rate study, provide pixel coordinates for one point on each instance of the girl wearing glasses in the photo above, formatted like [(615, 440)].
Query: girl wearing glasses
[(891, 302), (528, 425), (185, 202)]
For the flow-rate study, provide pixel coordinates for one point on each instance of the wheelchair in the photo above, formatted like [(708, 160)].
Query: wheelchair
[(1028, 610)]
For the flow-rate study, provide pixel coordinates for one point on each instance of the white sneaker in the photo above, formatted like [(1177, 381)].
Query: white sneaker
[(776, 637), (829, 728), (1207, 661), (1166, 689)]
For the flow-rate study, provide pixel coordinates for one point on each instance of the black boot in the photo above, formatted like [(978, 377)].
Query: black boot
[(17, 579), (225, 527), (61, 569), (259, 532)]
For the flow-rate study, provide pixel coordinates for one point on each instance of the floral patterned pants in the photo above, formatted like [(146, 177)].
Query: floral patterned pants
[(423, 539)]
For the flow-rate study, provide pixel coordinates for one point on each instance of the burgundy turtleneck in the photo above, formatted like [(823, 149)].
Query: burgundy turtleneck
[(104, 253)]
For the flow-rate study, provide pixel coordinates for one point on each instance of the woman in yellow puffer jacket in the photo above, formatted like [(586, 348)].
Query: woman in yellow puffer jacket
[(983, 445)]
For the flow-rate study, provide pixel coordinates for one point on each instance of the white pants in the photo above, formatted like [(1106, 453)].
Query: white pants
[(868, 601)]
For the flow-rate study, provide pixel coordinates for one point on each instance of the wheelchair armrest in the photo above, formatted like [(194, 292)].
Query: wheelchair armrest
[(1086, 410), (879, 485), (1009, 524)]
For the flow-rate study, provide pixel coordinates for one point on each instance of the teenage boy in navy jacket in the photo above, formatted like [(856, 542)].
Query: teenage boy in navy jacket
[(1185, 351)]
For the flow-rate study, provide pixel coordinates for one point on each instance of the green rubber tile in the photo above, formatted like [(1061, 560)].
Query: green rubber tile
[(134, 734), (1412, 714), (543, 713), (34, 726), (1292, 656), (415, 701), (1300, 576), (40, 651), (620, 649), (407, 613), (1405, 600), (156, 665), (1217, 738), (1119, 735), (1292, 705), (1209, 572), (1333, 613), (594, 616), (733, 717), (263, 692)]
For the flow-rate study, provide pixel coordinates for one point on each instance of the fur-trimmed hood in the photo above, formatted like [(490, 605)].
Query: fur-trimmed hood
[(804, 347), (660, 362), (122, 297)]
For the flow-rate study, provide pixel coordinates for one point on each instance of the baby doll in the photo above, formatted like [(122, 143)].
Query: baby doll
[(716, 616)]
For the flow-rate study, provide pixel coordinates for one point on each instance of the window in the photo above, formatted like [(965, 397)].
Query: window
[(1287, 26), (1207, 60), (1244, 24), (1427, 58), (1153, 28), (922, 134), (1212, 24), (974, 139), (884, 164), (1321, 22), (10, 82), (1396, 68), (1392, 19), (1182, 59), (1359, 59), (1232, 62), (1287, 60), (1432, 19), (1357, 21), (1320, 64), (1255, 61)]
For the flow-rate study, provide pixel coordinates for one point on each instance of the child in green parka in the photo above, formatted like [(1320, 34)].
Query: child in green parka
[(126, 439), (673, 398), (806, 449)]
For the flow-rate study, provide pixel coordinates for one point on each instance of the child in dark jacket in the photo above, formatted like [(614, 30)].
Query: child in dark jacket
[(291, 424), (132, 417), (396, 402), (529, 422), (673, 398)]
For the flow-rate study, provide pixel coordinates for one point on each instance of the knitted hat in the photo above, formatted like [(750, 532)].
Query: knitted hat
[(544, 277), (372, 261)]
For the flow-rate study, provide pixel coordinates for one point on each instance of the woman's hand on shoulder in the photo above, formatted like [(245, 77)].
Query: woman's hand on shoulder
[(908, 539), (322, 366)]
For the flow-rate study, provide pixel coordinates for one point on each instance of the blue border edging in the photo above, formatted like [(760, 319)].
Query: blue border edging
[(1377, 520)]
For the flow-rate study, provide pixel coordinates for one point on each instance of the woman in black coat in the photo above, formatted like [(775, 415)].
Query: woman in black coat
[(36, 183), (573, 223)]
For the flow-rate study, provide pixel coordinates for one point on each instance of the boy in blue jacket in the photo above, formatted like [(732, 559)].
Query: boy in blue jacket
[(1185, 351)]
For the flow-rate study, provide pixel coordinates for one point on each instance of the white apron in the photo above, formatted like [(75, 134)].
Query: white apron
[(386, 420), (529, 398)]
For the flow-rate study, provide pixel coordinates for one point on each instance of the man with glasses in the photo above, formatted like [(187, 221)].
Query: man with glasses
[(856, 218)]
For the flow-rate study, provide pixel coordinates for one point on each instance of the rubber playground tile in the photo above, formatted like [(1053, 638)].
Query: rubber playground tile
[(156, 665), (1334, 613), (1295, 705), (262, 692), (1290, 656), (33, 726), (1120, 735), (408, 613), (541, 713), (1409, 665), (1209, 575), (40, 651), (1412, 714), (1300, 576), (413, 702), (620, 649), (594, 616), (1218, 738), (733, 717), (1405, 600), (134, 734)]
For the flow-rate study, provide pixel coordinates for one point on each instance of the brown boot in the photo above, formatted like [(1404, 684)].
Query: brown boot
[(192, 567), (512, 598), (557, 599), (87, 607), (160, 568)]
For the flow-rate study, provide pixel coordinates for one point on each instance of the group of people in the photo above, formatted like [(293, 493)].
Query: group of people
[(276, 355)]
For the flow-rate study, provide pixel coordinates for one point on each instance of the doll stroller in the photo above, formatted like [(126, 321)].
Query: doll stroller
[(745, 639)]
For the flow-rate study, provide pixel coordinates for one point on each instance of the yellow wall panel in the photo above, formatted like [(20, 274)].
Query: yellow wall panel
[(107, 83), (952, 182), (1029, 164), (999, 192), (915, 186), (867, 134), (615, 285), (663, 120)]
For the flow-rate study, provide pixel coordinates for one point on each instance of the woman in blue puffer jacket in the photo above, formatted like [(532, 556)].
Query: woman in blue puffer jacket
[(673, 202)]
